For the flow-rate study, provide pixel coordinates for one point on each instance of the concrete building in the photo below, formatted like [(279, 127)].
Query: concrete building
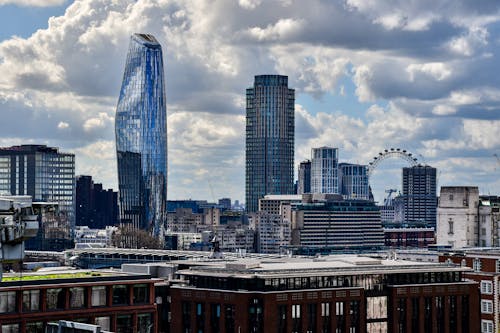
[(343, 293), (489, 221), (458, 221), (329, 223), (304, 180), (270, 135), (324, 170), (419, 196)]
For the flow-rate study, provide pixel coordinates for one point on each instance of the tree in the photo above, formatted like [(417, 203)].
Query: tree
[(132, 238)]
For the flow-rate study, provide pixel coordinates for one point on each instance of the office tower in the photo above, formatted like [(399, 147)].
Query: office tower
[(141, 137), (419, 195), (304, 181), (324, 170), (225, 203), (42, 172), (354, 181), (270, 129), (95, 207)]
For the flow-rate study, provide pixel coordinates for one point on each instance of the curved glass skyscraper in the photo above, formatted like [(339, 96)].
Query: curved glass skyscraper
[(141, 137), (270, 133)]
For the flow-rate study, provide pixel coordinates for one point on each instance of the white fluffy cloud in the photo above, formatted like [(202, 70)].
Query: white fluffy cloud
[(421, 70)]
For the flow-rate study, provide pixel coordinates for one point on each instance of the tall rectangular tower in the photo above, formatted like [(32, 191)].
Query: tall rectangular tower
[(324, 170), (141, 137), (270, 133), (354, 181), (304, 181), (419, 195)]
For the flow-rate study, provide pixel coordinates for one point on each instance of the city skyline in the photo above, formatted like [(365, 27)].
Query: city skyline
[(367, 77)]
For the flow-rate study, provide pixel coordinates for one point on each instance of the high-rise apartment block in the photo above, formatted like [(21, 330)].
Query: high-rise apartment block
[(141, 137), (419, 195), (95, 207), (42, 172), (270, 129), (354, 181), (324, 170), (304, 181)]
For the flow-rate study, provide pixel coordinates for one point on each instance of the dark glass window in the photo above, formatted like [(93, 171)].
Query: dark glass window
[(282, 309), (229, 317), (200, 317), (215, 318), (465, 314), (428, 314), (311, 317), (325, 318), (415, 312), (354, 317), (186, 317), (124, 324), (255, 317), (144, 323), (141, 294), (120, 294), (453, 313), (440, 314)]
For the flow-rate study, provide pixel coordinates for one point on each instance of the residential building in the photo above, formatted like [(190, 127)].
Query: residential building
[(141, 137), (343, 293), (270, 135), (458, 220), (304, 181), (324, 170), (45, 174), (354, 181), (95, 207), (419, 195), (325, 223)]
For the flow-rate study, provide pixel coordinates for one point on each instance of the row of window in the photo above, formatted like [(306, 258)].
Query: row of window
[(56, 298)]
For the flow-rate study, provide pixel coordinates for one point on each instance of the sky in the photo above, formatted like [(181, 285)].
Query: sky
[(420, 75)]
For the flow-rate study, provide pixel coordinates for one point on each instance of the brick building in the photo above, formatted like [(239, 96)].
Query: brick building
[(485, 266), (115, 301), (328, 294)]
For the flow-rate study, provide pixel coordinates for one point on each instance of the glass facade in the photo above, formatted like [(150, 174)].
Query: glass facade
[(270, 132), (141, 137), (44, 173)]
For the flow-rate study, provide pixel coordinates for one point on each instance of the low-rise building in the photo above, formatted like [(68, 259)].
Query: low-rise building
[(115, 301), (342, 293)]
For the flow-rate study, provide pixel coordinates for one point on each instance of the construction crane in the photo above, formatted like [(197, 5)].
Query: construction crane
[(17, 224), (388, 199), (498, 159)]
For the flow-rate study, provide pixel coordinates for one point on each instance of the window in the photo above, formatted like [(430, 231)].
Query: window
[(296, 311), (476, 264), (486, 287), (486, 326), (120, 294), (35, 327), (144, 323), (141, 294), (99, 296), (77, 297), (124, 324), (104, 322), (10, 328), (450, 197), (7, 301), (325, 309), (486, 306), (450, 227), (31, 300), (498, 266), (56, 299)]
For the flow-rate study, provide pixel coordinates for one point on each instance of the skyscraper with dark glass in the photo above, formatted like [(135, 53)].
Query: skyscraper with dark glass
[(141, 137), (419, 195), (270, 130)]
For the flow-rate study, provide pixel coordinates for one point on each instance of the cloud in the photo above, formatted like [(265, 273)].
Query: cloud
[(33, 3), (417, 74)]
